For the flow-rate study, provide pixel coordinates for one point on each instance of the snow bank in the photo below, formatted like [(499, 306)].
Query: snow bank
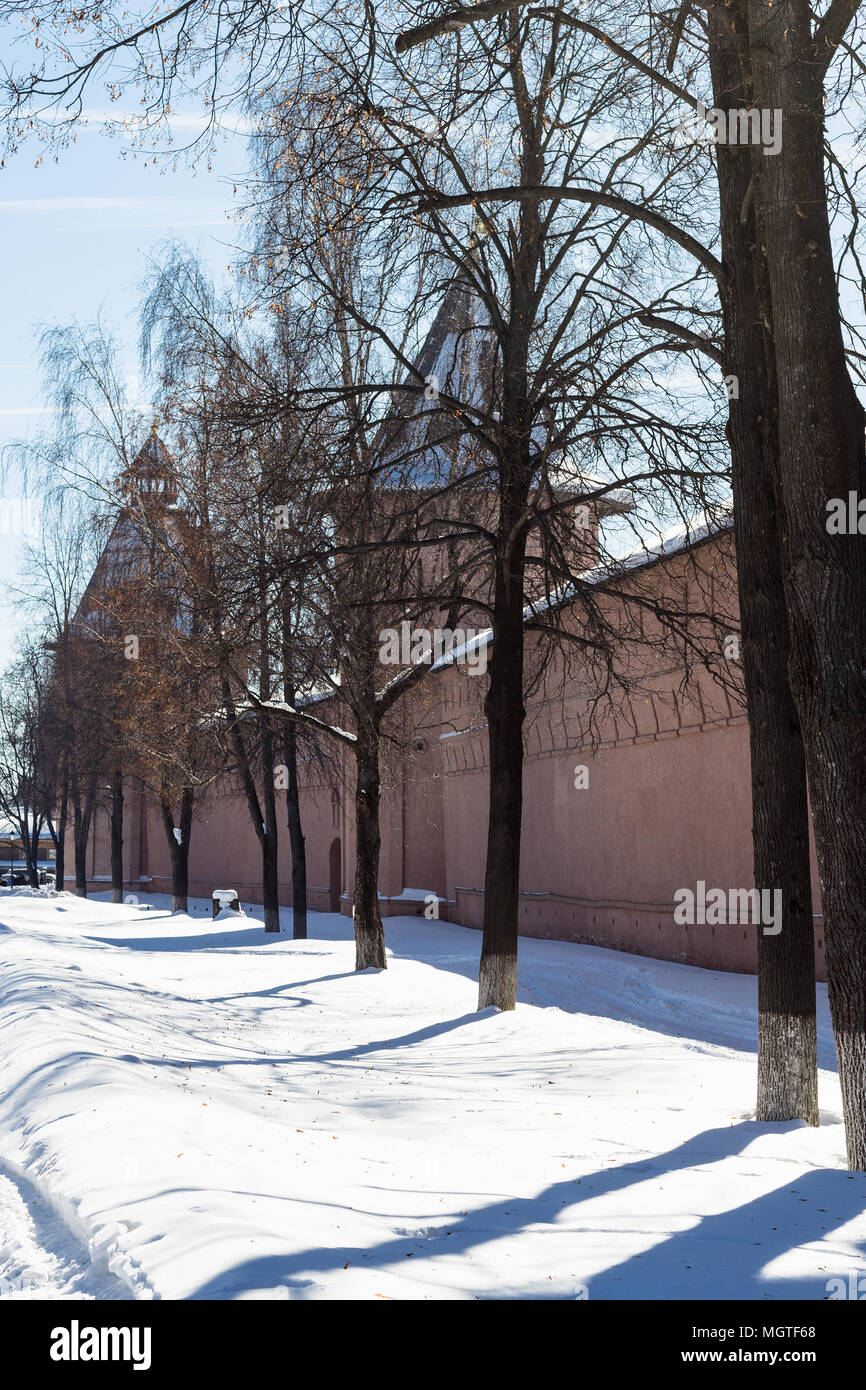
[(211, 1111)]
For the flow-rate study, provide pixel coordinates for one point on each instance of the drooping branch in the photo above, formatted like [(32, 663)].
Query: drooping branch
[(687, 335), (515, 193), (473, 14)]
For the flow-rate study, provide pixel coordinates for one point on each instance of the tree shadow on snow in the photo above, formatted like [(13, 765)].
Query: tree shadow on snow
[(254, 935), (346, 1054), (721, 1256)]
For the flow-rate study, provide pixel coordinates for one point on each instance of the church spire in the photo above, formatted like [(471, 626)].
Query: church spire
[(151, 476)]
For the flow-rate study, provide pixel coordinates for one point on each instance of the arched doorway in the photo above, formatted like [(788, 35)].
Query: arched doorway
[(335, 876)]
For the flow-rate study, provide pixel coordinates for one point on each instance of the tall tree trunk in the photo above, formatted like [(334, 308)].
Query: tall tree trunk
[(60, 836), (293, 800), (269, 840), (30, 840), (264, 823), (270, 885), (821, 457), (497, 978), (178, 846), (79, 850), (369, 932), (83, 817), (787, 1040), (296, 836), (117, 836), (186, 807)]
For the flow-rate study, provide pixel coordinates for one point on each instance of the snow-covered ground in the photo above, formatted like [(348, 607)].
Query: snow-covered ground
[(198, 1110)]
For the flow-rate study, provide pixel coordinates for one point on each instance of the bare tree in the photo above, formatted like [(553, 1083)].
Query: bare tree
[(561, 304), (55, 571), (305, 583), (787, 1066), (23, 691)]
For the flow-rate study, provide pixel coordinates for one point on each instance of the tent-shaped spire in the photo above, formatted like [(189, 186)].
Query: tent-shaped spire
[(151, 476), (420, 443)]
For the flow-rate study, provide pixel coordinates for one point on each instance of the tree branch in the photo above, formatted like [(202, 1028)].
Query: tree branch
[(516, 193), (473, 14), (831, 30), (687, 335)]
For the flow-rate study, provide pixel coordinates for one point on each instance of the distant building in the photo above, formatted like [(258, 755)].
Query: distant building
[(12, 849)]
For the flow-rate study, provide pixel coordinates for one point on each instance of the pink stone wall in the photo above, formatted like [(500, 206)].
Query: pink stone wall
[(667, 804)]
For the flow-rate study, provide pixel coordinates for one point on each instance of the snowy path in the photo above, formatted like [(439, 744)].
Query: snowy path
[(39, 1259), (218, 1113)]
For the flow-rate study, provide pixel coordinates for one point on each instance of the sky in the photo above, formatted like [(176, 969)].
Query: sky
[(76, 237)]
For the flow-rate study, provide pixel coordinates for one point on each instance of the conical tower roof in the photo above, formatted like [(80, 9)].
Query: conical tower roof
[(418, 443), (151, 476), (423, 444)]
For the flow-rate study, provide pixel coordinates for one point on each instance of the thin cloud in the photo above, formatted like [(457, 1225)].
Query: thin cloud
[(93, 203), (133, 121)]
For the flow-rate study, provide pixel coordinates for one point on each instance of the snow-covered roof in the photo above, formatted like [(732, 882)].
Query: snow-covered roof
[(10, 832), (678, 538)]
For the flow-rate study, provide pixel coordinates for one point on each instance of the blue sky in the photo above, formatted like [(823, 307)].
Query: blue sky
[(76, 237)]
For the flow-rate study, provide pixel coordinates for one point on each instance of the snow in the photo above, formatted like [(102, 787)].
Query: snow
[(193, 1109), (411, 895), (228, 914), (39, 1258)]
